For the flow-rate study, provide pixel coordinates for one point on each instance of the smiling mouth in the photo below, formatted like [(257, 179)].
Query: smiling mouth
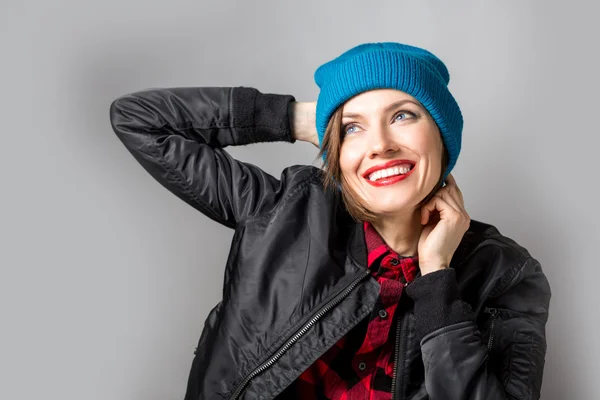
[(390, 173)]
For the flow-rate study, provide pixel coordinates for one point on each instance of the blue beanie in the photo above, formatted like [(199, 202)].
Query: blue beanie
[(391, 65)]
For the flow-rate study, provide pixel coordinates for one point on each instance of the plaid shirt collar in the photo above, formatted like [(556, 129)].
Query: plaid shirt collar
[(378, 250)]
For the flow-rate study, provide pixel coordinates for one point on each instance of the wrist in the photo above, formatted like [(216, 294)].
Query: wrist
[(302, 121), (429, 267), (437, 301)]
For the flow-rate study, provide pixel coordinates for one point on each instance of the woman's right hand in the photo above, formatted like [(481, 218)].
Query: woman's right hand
[(303, 121)]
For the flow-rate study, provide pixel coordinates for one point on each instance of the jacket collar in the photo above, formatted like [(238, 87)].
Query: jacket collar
[(358, 245)]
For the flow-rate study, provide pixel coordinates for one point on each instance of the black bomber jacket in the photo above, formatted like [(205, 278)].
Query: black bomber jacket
[(296, 279)]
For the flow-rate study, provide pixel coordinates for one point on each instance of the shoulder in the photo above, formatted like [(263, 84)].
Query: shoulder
[(489, 257), (485, 237), (301, 173), (307, 177), (299, 190), (300, 181)]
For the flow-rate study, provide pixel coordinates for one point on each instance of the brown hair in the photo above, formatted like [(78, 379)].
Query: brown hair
[(331, 147)]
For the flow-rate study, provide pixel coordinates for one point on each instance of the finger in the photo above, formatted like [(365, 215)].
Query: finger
[(451, 197), (450, 179), (429, 208), (425, 214), (437, 203), (460, 216), (453, 187)]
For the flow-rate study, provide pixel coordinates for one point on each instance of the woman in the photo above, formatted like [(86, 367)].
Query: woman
[(365, 279)]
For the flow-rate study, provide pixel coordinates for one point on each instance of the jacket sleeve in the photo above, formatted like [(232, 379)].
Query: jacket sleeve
[(178, 136), (457, 362)]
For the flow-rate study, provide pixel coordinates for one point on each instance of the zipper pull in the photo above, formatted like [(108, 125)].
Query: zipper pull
[(493, 314), (492, 311)]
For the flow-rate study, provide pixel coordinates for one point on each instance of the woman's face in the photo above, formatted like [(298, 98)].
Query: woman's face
[(391, 152)]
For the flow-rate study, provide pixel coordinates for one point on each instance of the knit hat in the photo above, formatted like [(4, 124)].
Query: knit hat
[(391, 65)]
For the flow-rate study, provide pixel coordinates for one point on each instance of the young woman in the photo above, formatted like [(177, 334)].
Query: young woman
[(364, 279)]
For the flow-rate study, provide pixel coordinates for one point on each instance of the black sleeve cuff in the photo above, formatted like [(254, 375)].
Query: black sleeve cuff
[(258, 117), (437, 301)]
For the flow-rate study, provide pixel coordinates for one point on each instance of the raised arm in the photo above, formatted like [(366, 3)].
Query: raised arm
[(178, 136)]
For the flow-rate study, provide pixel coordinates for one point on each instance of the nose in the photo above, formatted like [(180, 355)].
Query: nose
[(381, 142)]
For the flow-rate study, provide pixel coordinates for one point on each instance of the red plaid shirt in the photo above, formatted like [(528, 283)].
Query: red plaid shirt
[(361, 364)]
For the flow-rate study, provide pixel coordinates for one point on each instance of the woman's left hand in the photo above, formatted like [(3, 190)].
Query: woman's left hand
[(445, 222)]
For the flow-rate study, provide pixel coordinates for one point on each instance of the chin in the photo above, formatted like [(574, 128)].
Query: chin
[(389, 207), (393, 200)]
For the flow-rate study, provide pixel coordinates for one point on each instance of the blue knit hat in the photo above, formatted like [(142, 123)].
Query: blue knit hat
[(390, 65)]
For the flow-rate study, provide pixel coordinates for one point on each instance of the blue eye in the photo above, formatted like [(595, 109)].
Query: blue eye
[(405, 113), (348, 129)]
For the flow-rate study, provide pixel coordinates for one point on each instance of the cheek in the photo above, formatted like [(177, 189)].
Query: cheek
[(423, 142), (435, 151), (430, 144), (350, 158)]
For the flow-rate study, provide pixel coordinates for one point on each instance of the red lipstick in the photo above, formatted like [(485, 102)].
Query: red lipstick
[(390, 180)]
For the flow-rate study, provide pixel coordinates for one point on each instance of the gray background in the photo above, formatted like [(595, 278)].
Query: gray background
[(107, 277)]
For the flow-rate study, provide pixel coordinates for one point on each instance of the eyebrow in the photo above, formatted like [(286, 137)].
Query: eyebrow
[(387, 109)]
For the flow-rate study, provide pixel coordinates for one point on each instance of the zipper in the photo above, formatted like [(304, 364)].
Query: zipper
[(396, 360), (286, 346), (397, 352), (493, 314)]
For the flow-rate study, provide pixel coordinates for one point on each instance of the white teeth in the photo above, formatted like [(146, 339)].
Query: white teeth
[(384, 173)]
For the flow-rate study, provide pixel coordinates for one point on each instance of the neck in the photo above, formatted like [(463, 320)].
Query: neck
[(401, 232)]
